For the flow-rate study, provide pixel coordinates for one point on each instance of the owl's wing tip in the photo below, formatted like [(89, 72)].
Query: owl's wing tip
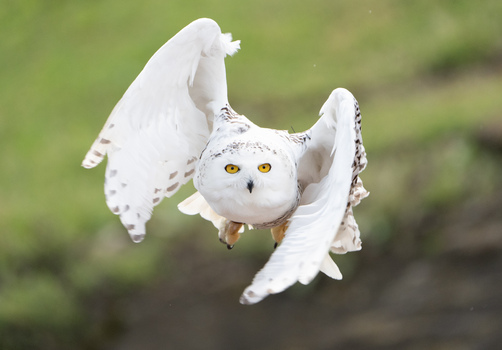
[(250, 298)]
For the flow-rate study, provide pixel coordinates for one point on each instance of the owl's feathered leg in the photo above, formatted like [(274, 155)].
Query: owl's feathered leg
[(230, 233), (278, 233)]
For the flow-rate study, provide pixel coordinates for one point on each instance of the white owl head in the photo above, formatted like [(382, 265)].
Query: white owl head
[(247, 167), (245, 173)]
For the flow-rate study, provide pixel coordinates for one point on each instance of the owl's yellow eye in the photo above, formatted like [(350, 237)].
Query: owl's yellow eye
[(232, 169), (265, 168)]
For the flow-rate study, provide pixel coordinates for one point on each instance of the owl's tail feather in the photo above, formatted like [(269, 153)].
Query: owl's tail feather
[(330, 269), (196, 204)]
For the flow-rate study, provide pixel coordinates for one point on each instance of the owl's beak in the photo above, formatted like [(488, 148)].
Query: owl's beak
[(250, 186)]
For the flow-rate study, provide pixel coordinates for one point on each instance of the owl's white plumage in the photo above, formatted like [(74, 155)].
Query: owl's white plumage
[(247, 146), (174, 123)]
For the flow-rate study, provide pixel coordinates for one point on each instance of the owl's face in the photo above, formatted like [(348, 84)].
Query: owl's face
[(247, 182)]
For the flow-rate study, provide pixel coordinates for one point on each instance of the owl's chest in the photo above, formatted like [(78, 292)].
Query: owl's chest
[(262, 208)]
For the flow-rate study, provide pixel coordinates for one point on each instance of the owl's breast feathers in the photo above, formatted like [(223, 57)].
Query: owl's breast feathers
[(282, 219)]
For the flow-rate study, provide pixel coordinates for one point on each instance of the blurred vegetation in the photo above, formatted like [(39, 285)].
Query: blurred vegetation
[(427, 76)]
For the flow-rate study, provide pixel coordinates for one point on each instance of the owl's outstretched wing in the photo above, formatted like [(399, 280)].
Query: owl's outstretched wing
[(158, 129), (328, 170)]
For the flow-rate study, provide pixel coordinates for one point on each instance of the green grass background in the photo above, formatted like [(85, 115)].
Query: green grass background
[(427, 76)]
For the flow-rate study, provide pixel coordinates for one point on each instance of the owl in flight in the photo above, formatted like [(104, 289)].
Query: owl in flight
[(174, 123)]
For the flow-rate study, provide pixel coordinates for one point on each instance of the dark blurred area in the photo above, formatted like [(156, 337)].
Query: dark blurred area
[(436, 284)]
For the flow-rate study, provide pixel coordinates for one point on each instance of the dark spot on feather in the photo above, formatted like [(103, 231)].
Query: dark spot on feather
[(190, 161), (97, 154), (104, 141), (156, 200), (126, 208), (112, 192), (173, 187), (172, 175), (187, 174), (157, 190), (130, 227), (112, 173), (243, 129), (138, 238), (115, 210)]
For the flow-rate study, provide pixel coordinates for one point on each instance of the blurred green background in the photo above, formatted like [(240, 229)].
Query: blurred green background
[(428, 77)]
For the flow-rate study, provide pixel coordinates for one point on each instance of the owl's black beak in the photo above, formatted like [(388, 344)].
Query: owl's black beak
[(250, 186)]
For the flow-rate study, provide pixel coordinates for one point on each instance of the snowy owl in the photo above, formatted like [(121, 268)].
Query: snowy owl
[(174, 123)]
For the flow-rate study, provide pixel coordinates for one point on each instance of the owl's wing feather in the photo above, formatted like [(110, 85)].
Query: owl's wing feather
[(158, 129), (196, 204), (326, 169)]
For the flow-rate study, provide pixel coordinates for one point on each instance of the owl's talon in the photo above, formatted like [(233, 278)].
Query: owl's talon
[(278, 233), (229, 233)]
